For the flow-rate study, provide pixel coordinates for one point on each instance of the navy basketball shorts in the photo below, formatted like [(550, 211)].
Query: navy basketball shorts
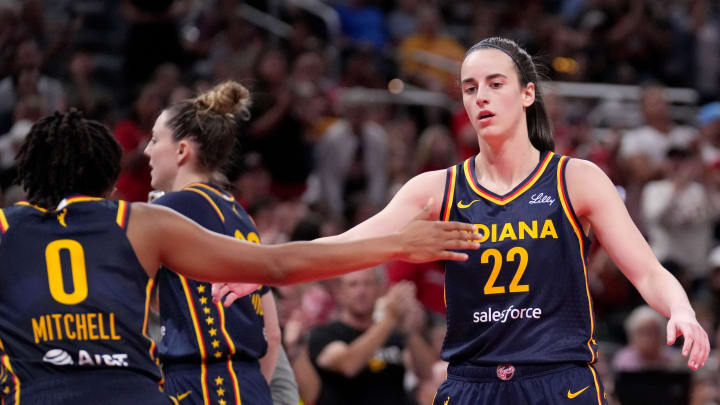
[(92, 386), (225, 383), (567, 383)]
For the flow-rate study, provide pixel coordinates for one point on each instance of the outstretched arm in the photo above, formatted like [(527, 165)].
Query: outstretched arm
[(161, 236), (422, 194), (597, 203)]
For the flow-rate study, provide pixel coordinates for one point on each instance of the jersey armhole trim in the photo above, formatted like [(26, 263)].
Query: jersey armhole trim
[(123, 212), (562, 182), (16, 381), (146, 317), (575, 224), (3, 222), (446, 206)]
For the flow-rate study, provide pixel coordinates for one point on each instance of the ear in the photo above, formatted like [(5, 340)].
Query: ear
[(528, 95), (182, 152)]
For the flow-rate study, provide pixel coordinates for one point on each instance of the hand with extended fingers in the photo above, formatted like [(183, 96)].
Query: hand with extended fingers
[(696, 346), (426, 241)]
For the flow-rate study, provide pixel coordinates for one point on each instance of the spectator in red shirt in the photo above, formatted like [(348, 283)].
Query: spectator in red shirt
[(429, 280), (133, 134)]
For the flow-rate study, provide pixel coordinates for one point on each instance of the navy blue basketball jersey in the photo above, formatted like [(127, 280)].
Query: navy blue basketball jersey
[(73, 295), (523, 297), (196, 330)]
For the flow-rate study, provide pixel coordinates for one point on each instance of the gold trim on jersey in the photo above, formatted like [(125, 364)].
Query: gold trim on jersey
[(210, 200), (505, 200), (566, 209), (214, 190), (16, 380), (445, 294), (148, 294), (597, 384), (450, 194), (221, 312), (3, 222), (199, 337), (236, 385), (81, 198), (27, 204), (121, 217), (233, 350)]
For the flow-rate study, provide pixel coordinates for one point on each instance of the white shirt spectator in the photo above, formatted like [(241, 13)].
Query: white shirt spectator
[(654, 144), (679, 223)]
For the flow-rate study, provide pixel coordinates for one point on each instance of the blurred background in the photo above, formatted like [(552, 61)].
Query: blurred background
[(352, 98)]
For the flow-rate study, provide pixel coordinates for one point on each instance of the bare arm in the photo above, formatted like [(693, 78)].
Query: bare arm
[(161, 236), (421, 354), (349, 359), (596, 201), (308, 380), (422, 193), (267, 122), (272, 334)]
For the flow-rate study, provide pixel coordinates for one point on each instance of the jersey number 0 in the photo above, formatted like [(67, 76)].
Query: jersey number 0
[(77, 267)]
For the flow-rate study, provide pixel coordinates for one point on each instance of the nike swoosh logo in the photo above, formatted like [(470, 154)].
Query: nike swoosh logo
[(572, 395), (462, 206), (180, 397)]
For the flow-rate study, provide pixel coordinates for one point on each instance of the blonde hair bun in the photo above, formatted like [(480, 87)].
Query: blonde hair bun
[(229, 97)]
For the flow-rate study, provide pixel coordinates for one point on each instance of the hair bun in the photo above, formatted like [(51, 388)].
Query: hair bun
[(229, 97)]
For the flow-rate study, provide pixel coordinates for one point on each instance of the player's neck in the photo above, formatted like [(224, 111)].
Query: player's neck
[(501, 166), (184, 179)]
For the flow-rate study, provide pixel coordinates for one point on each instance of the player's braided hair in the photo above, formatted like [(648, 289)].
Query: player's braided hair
[(65, 154), (211, 121)]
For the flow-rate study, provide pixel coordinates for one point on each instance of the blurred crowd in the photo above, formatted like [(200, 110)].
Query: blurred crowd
[(329, 143)]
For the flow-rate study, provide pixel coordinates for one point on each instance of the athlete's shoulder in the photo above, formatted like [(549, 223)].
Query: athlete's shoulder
[(187, 202), (581, 168), (587, 184), (196, 205), (176, 199), (18, 212)]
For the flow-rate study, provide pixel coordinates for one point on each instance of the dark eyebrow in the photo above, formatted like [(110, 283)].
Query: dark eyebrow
[(495, 75), (488, 77)]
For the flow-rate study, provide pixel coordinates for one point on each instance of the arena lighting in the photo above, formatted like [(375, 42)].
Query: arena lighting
[(565, 65), (396, 86)]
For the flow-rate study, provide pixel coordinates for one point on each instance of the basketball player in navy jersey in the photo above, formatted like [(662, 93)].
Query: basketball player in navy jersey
[(77, 270), (210, 353), (520, 322)]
